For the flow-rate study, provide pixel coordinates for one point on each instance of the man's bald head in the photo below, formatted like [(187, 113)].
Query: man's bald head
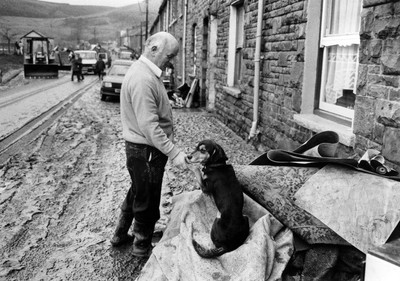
[(160, 48)]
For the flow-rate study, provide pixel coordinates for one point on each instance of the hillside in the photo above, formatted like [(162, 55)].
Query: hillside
[(69, 24), (38, 9)]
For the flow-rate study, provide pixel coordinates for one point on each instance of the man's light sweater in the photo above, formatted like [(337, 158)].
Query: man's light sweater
[(146, 113)]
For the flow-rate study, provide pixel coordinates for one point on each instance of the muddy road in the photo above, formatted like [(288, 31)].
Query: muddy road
[(60, 195)]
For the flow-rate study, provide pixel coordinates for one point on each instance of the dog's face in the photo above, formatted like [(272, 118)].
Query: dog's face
[(208, 152)]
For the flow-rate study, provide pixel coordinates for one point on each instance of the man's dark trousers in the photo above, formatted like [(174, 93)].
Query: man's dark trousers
[(146, 166)]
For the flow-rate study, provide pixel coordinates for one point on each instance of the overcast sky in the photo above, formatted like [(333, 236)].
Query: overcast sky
[(111, 3)]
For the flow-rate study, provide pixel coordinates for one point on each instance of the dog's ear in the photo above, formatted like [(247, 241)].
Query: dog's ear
[(218, 154)]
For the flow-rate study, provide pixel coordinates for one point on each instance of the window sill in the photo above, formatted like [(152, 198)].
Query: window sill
[(234, 92), (319, 124)]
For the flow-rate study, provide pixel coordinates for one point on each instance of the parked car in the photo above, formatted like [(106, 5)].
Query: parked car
[(89, 59), (106, 58), (111, 84), (125, 55)]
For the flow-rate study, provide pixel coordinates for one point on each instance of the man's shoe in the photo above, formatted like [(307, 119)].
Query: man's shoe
[(143, 235), (117, 241), (121, 235), (141, 251)]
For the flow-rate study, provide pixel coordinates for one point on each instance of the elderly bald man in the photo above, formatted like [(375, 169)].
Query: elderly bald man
[(147, 128)]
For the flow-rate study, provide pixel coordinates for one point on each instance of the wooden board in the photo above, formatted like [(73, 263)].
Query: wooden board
[(192, 91), (363, 209)]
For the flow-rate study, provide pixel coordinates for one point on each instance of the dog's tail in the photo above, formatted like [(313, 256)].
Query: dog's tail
[(208, 253)]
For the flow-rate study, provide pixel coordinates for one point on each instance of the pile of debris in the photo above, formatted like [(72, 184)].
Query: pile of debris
[(183, 96)]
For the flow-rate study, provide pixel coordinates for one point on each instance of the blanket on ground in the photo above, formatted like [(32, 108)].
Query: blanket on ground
[(263, 256)]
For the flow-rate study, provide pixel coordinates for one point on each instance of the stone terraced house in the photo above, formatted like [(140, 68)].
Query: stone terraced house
[(279, 71)]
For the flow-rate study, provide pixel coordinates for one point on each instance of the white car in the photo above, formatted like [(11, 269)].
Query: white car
[(89, 59), (112, 81), (125, 55)]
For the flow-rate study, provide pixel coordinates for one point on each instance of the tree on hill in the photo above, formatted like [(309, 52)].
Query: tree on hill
[(77, 27), (8, 34)]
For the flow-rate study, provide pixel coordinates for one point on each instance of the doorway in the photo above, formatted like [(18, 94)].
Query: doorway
[(204, 65)]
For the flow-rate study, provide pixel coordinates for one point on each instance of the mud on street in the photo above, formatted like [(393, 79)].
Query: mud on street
[(60, 196)]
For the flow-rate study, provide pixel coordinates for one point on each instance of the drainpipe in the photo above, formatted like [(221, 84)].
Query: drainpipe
[(184, 43), (253, 130), (167, 15)]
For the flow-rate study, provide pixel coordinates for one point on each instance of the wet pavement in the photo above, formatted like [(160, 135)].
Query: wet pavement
[(19, 105)]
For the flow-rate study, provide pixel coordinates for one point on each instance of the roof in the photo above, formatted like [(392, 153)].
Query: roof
[(35, 34)]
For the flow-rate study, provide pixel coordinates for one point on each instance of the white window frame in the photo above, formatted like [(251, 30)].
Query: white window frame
[(194, 46), (328, 41), (173, 10), (310, 117), (182, 7), (236, 39)]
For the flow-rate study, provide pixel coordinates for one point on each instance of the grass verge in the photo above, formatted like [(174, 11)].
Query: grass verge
[(10, 62)]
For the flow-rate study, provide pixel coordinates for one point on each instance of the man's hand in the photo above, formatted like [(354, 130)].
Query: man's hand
[(180, 161)]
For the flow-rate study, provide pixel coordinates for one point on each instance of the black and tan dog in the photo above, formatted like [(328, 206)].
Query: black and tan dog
[(218, 179)]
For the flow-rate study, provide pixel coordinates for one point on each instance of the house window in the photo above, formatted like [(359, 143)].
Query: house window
[(339, 42), (236, 40), (173, 9), (162, 21), (194, 48), (180, 58), (182, 7)]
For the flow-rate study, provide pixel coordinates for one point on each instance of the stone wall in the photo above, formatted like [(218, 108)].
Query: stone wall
[(281, 66), (377, 112)]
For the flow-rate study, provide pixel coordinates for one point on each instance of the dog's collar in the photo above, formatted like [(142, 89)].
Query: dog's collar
[(210, 166)]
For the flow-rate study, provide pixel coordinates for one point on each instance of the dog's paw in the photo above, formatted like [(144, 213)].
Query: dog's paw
[(197, 173), (194, 168)]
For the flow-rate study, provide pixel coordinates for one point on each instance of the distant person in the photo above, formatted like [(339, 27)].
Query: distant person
[(16, 46), (169, 76), (70, 54), (39, 49), (80, 66), (99, 67), (74, 68), (21, 48)]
